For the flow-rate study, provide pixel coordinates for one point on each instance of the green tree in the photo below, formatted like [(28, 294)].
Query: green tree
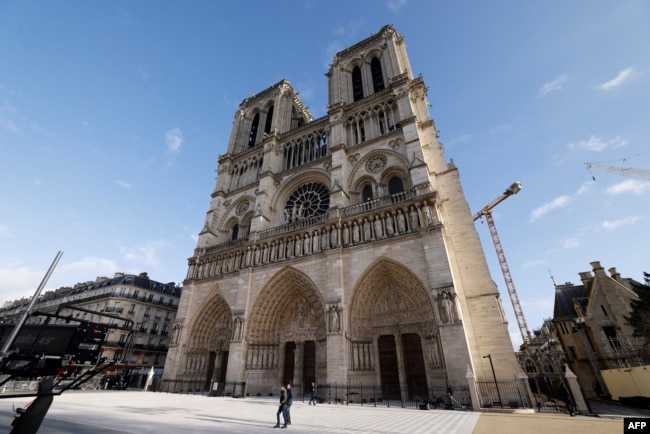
[(639, 318)]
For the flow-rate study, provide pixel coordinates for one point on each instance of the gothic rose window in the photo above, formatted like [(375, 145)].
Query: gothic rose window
[(307, 201)]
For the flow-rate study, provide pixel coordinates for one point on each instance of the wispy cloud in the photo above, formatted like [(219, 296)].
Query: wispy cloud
[(621, 78), (597, 144), (571, 242), (17, 280), (629, 186), (499, 129), (584, 188), (396, 5), (123, 184), (558, 202), (557, 84), (144, 254), (342, 34), (458, 140), (89, 266), (173, 140), (9, 125), (192, 234), (611, 225), (543, 305), (534, 263)]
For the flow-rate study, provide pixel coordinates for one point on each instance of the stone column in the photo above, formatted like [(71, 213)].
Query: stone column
[(401, 369), (471, 385), (578, 398)]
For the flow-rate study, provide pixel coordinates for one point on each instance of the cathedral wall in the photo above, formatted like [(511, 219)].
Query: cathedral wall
[(485, 322), (403, 264)]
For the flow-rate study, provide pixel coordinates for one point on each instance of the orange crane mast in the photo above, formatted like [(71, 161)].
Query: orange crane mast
[(512, 291)]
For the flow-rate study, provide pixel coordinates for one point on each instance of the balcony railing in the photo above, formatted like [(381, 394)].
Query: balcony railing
[(386, 217), (114, 309)]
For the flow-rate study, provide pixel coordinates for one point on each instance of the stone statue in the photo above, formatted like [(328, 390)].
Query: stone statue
[(335, 321), (448, 307), (379, 230), (401, 222), (236, 335)]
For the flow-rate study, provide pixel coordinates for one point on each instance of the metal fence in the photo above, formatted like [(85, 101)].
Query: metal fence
[(545, 390), (387, 396), (234, 389), (503, 394), (364, 395)]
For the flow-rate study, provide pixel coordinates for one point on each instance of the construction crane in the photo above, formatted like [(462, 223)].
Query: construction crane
[(623, 171), (487, 212)]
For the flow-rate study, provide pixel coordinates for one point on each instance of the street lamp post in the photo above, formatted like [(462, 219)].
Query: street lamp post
[(489, 357)]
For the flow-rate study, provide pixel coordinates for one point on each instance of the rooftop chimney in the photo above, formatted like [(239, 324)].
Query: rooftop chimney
[(615, 274)]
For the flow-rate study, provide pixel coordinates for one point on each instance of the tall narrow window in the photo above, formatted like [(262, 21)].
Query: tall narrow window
[(395, 185), (253, 134), (377, 76), (367, 193), (357, 84), (604, 310), (269, 120), (235, 232)]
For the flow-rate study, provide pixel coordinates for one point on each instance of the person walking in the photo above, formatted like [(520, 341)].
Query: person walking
[(282, 408), (450, 395), (289, 403), (313, 394)]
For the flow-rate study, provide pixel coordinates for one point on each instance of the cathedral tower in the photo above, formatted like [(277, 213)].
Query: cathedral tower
[(340, 249)]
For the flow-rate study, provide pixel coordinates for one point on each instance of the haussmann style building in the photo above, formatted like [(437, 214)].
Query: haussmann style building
[(340, 250), (138, 311)]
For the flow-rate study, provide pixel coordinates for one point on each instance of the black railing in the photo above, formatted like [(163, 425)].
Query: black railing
[(545, 390), (364, 395), (503, 394), (512, 394), (232, 389)]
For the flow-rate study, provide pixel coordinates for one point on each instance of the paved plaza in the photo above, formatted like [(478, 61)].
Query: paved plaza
[(112, 412)]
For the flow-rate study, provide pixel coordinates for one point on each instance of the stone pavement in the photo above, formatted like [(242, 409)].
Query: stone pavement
[(112, 412)]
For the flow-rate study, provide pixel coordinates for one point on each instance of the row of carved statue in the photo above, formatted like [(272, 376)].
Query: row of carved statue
[(335, 235)]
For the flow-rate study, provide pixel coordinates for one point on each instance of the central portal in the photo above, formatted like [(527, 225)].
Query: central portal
[(289, 362), (388, 367), (412, 360), (299, 371)]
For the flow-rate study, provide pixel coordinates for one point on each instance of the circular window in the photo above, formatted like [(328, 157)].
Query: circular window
[(241, 208), (307, 201), (376, 164)]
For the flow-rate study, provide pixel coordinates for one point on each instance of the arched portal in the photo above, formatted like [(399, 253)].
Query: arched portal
[(286, 338), (205, 357), (392, 330)]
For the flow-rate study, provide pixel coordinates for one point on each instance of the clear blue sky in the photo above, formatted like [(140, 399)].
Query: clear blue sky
[(113, 115)]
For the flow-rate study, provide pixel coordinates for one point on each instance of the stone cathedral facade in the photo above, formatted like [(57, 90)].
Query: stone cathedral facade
[(341, 249)]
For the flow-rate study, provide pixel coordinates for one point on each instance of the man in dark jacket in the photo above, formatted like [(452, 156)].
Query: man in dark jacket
[(313, 394), (282, 408), (289, 402)]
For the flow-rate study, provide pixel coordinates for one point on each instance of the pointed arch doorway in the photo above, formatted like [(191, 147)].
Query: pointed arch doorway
[(287, 334), (205, 359), (392, 310)]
